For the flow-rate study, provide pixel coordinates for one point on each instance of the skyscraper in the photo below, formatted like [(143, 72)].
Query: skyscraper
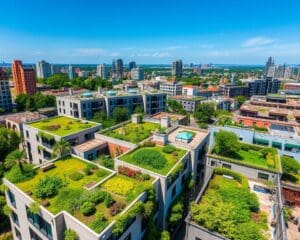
[(119, 67), (298, 75), (137, 74), (177, 68), (269, 63), (131, 65), (43, 69), (113, 66), (5, 96), (24, 78), (102, 71), (71, 72)]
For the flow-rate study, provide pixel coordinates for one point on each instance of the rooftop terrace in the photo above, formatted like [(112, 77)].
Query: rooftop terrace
[(62, 126), (133, 132), (230, 209), (107, 196)]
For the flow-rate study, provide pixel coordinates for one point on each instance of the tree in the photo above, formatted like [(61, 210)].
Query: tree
[(9, 141), (240, 100), (34, 102), (61, 148), (17, 157), (175, 107), (120, 114), (204, 112), (226, 143)]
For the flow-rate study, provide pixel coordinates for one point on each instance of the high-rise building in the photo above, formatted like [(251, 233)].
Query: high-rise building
[(113, 66), (119, 67), (71, 72), (131, 65), (43, 69), (177, 68), (24, 78), (137, 74), (269, 63), (288, 72), (55, 69), (5, 96), (102, 71), (298, 75)]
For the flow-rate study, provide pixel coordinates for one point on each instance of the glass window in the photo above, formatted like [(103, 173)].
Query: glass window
[(12, 198), (18, 234), (224, 165), (263, 176), (40, 224), (174, 191), (33, 235), (15, 218)]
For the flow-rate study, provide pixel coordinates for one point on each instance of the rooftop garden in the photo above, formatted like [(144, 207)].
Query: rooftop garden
[(228, 148), (229, 208), (291, 169), (62, 187), (154, 158), (62, 126), (133, 132)]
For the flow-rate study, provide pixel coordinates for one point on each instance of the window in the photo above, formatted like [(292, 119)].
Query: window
[(212, 163), (128, 237), (263, 176), (174, 191), (15, 218), (40, 224), (27, 134), (18, 234), (224, 165), (12, 198), (33, 235)]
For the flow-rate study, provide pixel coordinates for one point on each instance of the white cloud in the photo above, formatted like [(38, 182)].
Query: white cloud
[(258, 42), (93, 52)]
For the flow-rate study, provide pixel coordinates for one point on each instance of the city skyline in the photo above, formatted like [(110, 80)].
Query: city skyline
[(240, 33)]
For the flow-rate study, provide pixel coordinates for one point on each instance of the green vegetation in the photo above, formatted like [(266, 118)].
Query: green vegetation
[(48, 187), (204, 112), (240, 100), (229, 208), (70, 235), (9, 141), (154, 158), (227, 145), (133, 132), (61, 148), (175, 107), (62, 126), (290, 168), (34, 102)]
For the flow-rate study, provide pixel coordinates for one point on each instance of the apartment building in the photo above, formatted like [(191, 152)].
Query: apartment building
[(171, 88), (5, 95)]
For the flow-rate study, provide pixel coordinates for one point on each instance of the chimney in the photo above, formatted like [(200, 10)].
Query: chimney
[(136, 118)]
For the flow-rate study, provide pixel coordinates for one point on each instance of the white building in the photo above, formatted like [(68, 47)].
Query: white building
[(102, 71), (43, 69)]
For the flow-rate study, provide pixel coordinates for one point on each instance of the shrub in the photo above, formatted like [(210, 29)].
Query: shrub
[(88, 169), (226, 144), (165, 235), (70, 235), (149, 144), (245, 147), (168, 149), (107, 162), (290, 165), (76, 176), (34, 208), (69, 199), (48, 187), (149, 157), (143, 177), (119, 185), (87, 208), (128, 171), (96, 196), (108, 200), (101, 173), (99, 224), (15, 175)]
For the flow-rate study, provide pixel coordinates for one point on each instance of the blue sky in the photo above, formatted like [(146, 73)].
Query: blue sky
[(91, 31)]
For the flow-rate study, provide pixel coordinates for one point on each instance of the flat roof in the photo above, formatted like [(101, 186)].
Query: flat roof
[(86, 146), (24, 117), (173, 116), (62, 126), (198, 136)]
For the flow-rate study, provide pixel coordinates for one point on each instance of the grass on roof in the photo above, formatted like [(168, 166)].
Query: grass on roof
[(229, 208), (133, 132), (170, 159), (62, 126)]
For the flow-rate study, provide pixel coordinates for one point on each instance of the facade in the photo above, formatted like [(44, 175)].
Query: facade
[(102, 71), (298, 75), (5, 95), (43, 69), (177, 68), (171, 88), (83, 106), (189, 90), (137, 74), (24, 79), (131, 65), (119, 68), (269, 65), (231, 90), (71, 72), (189, 103)]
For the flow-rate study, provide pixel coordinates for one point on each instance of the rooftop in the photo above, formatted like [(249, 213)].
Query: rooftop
[(229, 208), (157, 159), (23, 117), (109, 193), (62, 126), (173, 116), (88, 145), (189, 98), (133, 132)]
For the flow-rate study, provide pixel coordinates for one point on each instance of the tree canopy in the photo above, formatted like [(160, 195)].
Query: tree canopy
[(34, 102), (9, 141), (204, 112), (226, 143)]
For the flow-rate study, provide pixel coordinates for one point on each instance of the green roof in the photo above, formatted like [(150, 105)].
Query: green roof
[(62, 126)]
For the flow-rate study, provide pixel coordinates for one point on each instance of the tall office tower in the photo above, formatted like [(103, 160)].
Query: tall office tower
[(137, 74), (113, 67), (55, 69), (102, 71), (43, 69), (288, 72), (71, 72), (177, 68), (5, 96), (279, 73), (269, 63), (119, 67), (24, 78), (131, 65), (271, 71), (298, 75)]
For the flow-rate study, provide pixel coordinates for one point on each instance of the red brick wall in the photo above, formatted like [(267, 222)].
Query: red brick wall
[(116, 150), (252, 122), (291, 196)]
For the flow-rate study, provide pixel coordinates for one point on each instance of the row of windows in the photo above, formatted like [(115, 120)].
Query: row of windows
[(40, 224)]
